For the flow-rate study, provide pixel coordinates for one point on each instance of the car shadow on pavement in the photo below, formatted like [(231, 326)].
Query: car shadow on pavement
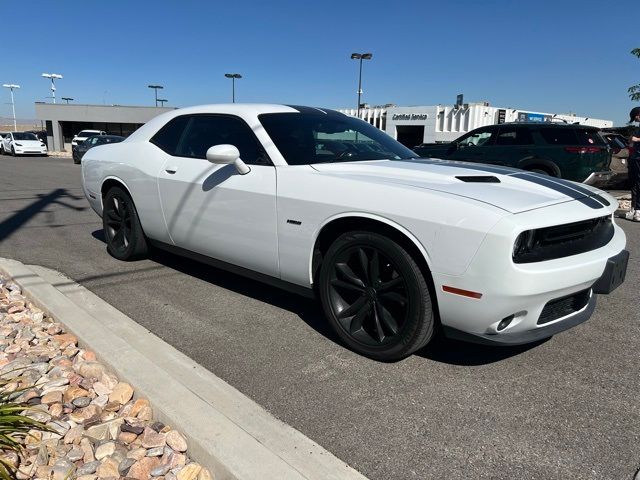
[(440, 349), (307, 309), (455, 352)]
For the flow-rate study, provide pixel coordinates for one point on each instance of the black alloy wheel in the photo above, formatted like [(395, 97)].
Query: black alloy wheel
[(122, 229), (13, 151), (375, 296)]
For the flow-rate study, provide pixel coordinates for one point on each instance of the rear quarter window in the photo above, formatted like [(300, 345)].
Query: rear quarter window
[(559, 136), (168, 136), (589, 137)]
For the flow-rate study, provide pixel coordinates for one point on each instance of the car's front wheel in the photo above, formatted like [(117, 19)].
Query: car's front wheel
[(375, 296), (122, 229)]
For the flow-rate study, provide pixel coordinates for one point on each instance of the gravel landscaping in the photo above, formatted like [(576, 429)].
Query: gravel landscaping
[(100, 430)]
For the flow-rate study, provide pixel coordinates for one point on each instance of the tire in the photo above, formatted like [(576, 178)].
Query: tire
[(389, 314), (122, 229), (13, 151), (2, 150)]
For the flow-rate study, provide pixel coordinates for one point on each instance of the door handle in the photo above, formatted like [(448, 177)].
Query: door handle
[(171, 170)]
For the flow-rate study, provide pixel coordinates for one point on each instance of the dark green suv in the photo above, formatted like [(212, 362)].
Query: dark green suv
[(573, 152)]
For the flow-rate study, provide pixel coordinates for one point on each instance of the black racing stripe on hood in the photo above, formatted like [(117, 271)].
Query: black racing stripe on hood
[(558, 187), (581, 189)]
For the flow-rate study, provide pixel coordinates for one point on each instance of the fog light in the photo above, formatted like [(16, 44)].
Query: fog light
[(504, 323)]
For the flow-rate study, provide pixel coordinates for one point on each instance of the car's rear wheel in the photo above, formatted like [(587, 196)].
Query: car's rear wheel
[(122, 229), (375, 296), (13, 151)]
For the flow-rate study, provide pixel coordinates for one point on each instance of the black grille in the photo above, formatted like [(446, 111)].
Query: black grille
[(561, 307), (563, 240)]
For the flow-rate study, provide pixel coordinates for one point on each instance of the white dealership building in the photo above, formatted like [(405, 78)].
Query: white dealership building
[(444, 123)]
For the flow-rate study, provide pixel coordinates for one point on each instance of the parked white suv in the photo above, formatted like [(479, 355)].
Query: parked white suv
[(84, 134)]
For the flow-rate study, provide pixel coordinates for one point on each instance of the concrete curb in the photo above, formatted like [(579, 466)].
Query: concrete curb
[(226, 431)]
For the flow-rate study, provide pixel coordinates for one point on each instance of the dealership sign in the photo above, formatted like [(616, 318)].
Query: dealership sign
[(533, 117), (409, 116)]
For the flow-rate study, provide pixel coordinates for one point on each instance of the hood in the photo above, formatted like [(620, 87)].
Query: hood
[(509, 189), (29, 143)]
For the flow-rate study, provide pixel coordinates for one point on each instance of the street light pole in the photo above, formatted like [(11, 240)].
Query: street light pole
[(11, 86), (53, 77), (360, 57), (156, 87), (233, 77), (162, 100), (67, 99)]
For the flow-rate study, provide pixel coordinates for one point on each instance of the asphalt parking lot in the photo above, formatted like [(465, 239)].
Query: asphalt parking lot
[(565, 408)]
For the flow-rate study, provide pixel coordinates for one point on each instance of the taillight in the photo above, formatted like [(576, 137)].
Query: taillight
[(583, 149)]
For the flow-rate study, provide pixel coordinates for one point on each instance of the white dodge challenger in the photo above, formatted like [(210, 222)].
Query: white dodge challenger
[(395, 247)]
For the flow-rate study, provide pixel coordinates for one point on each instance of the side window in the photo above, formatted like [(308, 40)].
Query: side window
[(514, 136), (478, 138), (205, 131), (169, 136)]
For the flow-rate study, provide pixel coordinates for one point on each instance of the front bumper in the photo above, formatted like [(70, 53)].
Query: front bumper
[(521, 291), (599, 178), (613, 276)]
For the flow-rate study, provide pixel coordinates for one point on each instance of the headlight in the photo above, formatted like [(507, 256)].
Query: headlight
[(524, 243)]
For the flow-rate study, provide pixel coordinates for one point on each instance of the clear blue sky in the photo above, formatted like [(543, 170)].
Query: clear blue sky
[(556, 56)]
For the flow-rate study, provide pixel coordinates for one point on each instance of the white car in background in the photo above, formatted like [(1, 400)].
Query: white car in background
[(327, 205), (84, 134), (22, 143)]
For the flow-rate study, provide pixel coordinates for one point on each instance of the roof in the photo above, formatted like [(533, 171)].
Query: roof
[(549, 124)]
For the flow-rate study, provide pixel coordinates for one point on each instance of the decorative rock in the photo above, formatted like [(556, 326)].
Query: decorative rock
[(137, 454), (189, 472), (105, 450), (205, 475), (127, 437), (108, 468), (74, 392), (90, 369), (65, 339), (121, 393), (52, 397), (141, 470), (88, 468), (137, 406), (87, 448), (75, 454), (155, 452), (176, 441), (160, 471), (125, 466), (81, 402), (151, 438), (131, 428), (145, 414)]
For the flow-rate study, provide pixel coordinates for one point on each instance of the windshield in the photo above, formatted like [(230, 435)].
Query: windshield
[(305, 138), (24, 136), (87, 134)]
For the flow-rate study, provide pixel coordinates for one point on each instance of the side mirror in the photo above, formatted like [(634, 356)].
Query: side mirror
[(226, 155)]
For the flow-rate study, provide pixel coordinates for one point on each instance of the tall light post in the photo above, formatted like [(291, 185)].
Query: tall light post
[(67, 99), (162, 100), (11, 86), (361, 57), (233, 77), (156, 88), (53, 77)]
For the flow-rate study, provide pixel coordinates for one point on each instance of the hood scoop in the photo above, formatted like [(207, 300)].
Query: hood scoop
[(478, 178)]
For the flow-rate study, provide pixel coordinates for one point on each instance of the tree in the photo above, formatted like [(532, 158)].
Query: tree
[(634, 91)]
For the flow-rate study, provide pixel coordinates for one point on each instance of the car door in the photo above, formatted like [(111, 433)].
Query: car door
[(511, 144), (212, 209)]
